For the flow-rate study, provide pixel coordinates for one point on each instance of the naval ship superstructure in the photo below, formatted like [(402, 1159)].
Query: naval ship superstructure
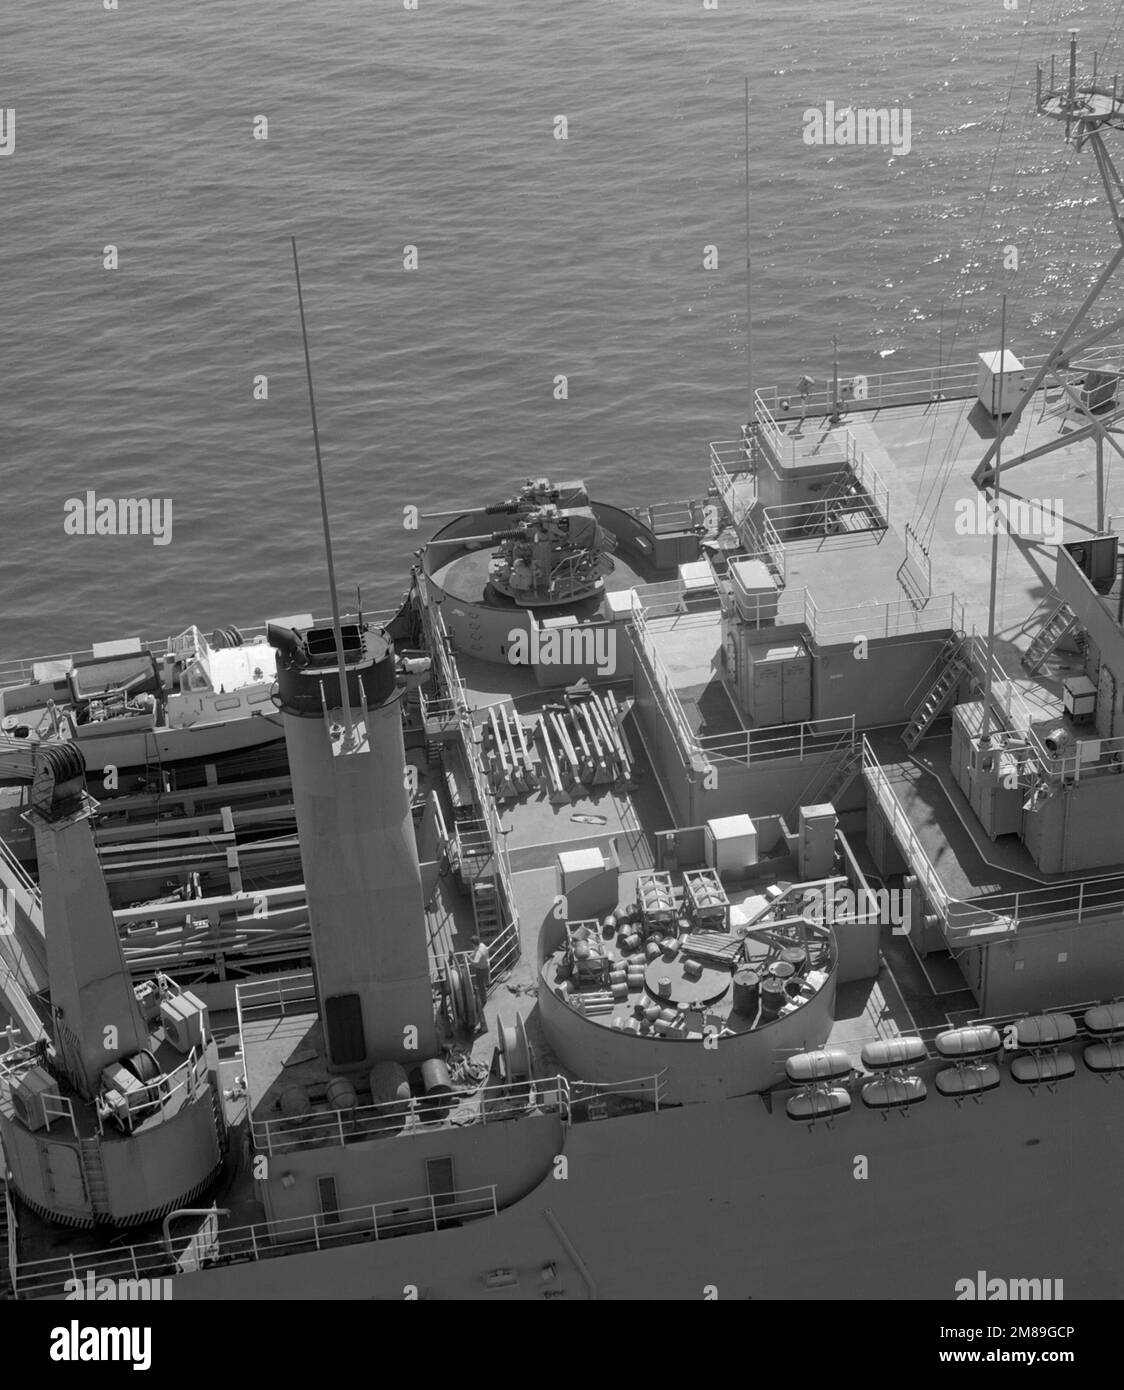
[(661, 863)]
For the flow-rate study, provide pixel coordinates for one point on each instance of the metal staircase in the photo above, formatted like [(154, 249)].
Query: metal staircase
[(94, 1173), (953, 663), (1059, 623), (842, 486), (832, 778), (477, 871)]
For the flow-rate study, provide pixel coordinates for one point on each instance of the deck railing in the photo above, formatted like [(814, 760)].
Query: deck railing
[(1021, 717), (799, 741), (729, 466), (259, 1241), (504, 949), (832, 626), (292, 993), (662, 689), (18, 670), (1072, 901), (421, 1115), (871, 391)]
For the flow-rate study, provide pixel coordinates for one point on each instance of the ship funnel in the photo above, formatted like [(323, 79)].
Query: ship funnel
[(95, 1016), (354, 819)]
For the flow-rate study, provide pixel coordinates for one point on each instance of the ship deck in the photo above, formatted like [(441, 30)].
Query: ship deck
[(970, 864)]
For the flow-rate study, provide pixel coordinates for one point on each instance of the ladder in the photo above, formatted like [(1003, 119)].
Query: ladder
[(845, 774), (841, 486), (938, 695), (485, 908), (832, 778), (477, 872), (94, 1173), (1059, 623)]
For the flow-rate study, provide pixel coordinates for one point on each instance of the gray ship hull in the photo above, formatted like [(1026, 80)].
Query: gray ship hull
[(728, 1200)]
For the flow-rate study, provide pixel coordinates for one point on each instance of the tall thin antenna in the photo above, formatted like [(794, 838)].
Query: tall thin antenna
[(336, 628), (985, 732), (748, 290)]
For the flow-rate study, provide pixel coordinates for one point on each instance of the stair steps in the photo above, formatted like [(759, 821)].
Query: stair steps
[(1059, 623), (94, 1173), (936, 698)]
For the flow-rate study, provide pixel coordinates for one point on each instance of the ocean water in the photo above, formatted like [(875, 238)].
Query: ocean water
[(537, 257)]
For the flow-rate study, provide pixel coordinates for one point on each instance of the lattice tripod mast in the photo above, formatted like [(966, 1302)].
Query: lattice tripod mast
[(1090, 108)]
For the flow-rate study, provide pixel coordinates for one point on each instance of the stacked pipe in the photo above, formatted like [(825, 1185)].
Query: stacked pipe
[(583, 743), (510, 761)]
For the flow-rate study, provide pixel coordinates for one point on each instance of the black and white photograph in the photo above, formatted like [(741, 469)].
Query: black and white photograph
[(561, 670)]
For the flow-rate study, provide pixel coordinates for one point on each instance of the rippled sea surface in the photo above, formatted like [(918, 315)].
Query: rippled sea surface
[(537, 257)]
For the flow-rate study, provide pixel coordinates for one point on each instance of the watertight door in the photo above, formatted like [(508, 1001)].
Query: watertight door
[(63, 1172)]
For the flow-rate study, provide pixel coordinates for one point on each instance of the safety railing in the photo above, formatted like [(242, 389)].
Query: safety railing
[(774, 547), (505, 948), (903, 832), (956, 915), (292, 993), (870, 480), (661, 687), (870, 391), (593, 1100), (18, 670), (1069, 901), (259, 1241), (418, 1115), (798, 741), (15, 878), (1073, 902), (831, 626), (1056, 764)]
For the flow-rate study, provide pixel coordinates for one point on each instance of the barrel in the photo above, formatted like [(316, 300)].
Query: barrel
[(773, 997), (797, 957), (295, 1102), (781, 970), (437, 1085), (747, 988), (652, 949), (341, 1094), (619, 989), (388, 1083)]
